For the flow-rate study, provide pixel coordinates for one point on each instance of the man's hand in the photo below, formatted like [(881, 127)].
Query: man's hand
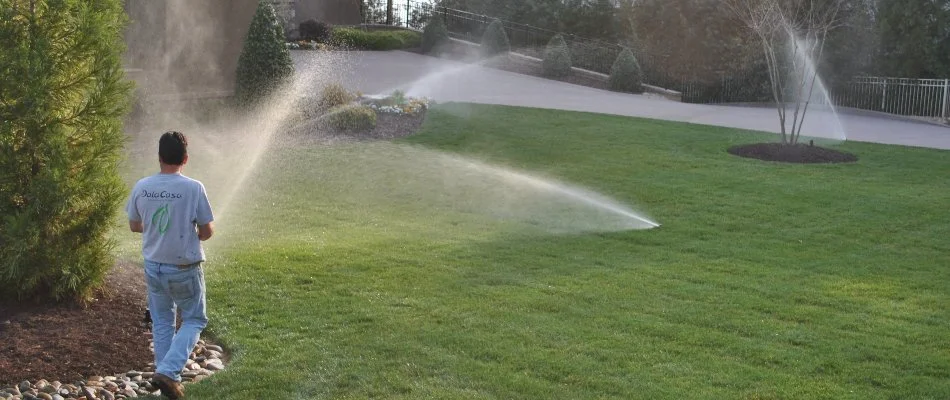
[(137, 226), (205, 231)]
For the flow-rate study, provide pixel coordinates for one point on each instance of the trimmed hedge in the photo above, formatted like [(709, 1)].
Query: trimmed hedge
[(495, 40), (359, 39), (557, 58), (264, 64), (435, 33), (626, 76)]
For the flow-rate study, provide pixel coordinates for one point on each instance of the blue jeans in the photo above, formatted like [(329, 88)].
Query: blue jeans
[(169, 286)]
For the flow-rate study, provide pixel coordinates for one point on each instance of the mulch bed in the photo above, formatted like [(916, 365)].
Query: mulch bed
[(388, 126), (799, 153), (67, 342)]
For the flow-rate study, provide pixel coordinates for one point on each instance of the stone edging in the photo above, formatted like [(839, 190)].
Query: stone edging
[(203, 362)]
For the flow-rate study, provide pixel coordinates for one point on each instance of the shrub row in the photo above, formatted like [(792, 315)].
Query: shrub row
[(360, 39), (625, 75)]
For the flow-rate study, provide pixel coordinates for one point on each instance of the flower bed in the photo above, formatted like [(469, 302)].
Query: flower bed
[(397, 103), (307, 45)]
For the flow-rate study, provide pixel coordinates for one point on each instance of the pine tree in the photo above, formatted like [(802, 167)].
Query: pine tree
[(265, 62), (625, 76), (63, 96)]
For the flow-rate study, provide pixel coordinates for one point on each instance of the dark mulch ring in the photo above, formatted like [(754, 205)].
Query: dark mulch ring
[(70, 342), (388, 126), (798, 153)]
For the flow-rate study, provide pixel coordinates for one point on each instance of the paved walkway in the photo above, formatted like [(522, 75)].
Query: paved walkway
[(445, 80)]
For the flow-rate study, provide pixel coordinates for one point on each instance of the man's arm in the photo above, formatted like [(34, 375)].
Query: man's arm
[(137, 226), (205, 231)]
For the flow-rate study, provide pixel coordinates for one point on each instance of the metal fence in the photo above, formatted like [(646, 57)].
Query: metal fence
[(902, 96), (927, 98)]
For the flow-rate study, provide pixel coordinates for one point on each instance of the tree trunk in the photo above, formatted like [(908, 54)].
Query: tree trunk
[(389, 12)]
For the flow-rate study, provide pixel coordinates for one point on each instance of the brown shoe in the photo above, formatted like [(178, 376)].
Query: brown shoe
[(168, 386)]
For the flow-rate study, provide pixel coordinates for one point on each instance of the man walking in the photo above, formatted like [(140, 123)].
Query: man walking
[(173, 214)]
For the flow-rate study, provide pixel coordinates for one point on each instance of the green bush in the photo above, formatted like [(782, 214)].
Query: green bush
[(63, 99), (360, 39), (557, 58), (434, 35), (314, 30), (265, 62), (335, 95), (495, 40), (352, 118), (625, 76)]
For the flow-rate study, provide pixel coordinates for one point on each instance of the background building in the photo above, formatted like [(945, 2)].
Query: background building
[(189, 48)]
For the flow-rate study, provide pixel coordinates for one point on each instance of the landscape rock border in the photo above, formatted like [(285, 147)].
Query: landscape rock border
[(206, 360)]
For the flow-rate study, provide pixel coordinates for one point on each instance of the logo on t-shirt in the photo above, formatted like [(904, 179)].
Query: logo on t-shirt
[(161, 219), (164, 194)]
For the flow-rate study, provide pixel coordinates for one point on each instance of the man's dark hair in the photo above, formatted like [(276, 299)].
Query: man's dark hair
[(172, 148)]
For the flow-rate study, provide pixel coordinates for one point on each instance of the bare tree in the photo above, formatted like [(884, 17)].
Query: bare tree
[(792, 34)]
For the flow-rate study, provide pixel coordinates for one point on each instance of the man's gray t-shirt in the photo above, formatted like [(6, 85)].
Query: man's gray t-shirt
[(170, 206)]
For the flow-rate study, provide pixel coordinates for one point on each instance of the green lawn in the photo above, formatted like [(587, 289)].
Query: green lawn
[(388, 270)]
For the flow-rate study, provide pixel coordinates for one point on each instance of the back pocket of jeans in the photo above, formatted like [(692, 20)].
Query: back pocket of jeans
[(182, 289)]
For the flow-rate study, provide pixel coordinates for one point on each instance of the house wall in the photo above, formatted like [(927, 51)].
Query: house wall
[(190, 48), (333, 12), (186, 48)]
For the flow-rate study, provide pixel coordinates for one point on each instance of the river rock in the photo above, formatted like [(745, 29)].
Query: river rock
[(44, 396), (133, 373), (5, 395), (215, 365), (111, 386), (85, 391), (24, 386), (106, 395), (129, 393), (214, 348), (58, 397)]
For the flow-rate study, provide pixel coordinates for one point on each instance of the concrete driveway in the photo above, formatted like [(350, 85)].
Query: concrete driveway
[(446, 80)]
